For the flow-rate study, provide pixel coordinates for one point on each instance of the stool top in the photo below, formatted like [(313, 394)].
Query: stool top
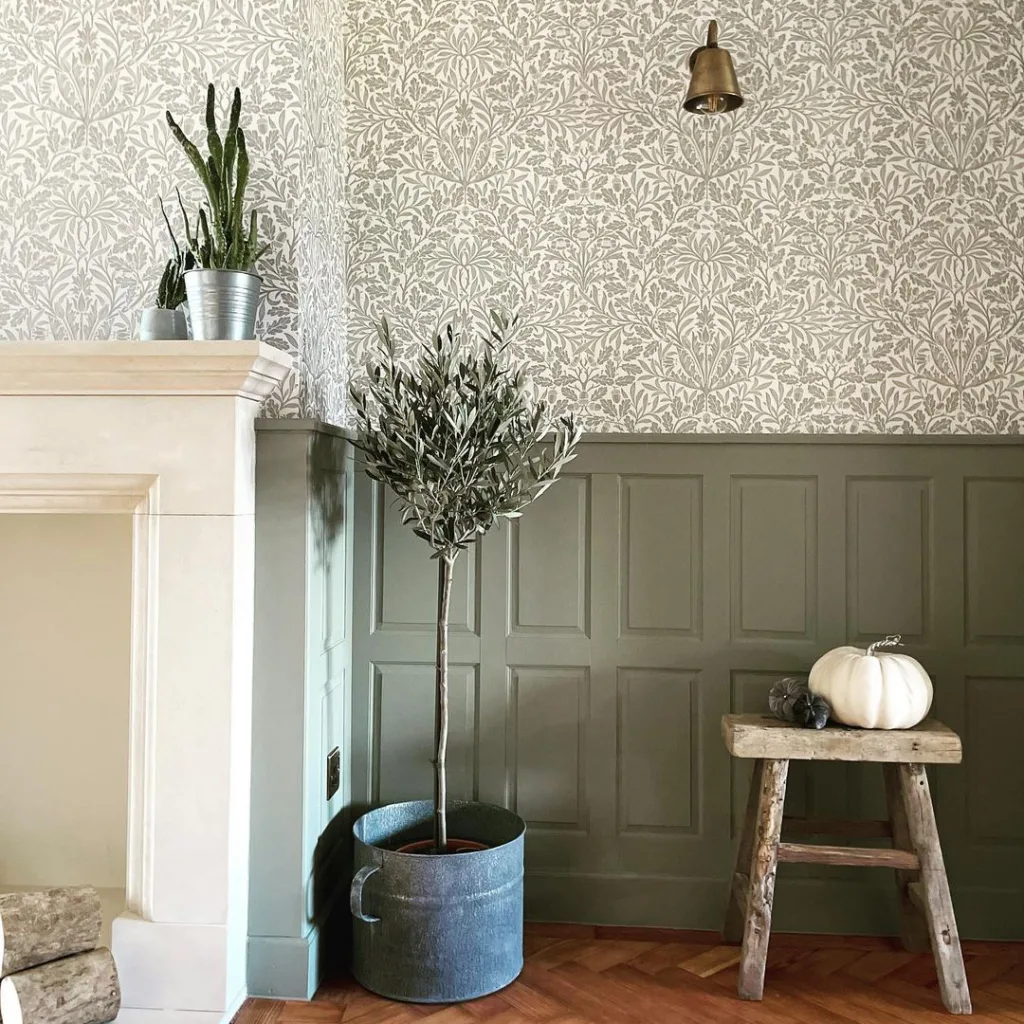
[(931, 742)]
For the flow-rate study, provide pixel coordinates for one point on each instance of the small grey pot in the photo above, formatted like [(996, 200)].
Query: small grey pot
[(223, 304), (434, 928), (156, 324)]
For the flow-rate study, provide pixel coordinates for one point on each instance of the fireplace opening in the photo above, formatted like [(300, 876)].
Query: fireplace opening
[(65, 653)]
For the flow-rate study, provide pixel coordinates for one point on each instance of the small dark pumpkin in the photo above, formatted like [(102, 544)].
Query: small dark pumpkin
[(790, 700)]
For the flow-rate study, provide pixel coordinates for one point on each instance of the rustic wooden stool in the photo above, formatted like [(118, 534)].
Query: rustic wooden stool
[(925, 905)]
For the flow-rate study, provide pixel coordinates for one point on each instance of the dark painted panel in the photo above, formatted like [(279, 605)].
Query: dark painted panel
[(888, 557), (994, 524), (773, 557), (657, 750), (661, 542), (405, 577), (993, 755), (550, 716), (548, 562), (404, 732)]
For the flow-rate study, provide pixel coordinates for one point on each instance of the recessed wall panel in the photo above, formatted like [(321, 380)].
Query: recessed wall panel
[(550, 712), (549, 562), (773, 557), (660, 555), (658, 750), (404, 732), (993, 760), (994, 556), (888, 557), (405, 576)]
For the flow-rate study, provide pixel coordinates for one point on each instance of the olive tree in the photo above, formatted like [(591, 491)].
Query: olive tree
[(461, 445)]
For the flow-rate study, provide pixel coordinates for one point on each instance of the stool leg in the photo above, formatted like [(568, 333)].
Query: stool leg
[(934, 888), (739, 883), (761, 894), (913, 927)]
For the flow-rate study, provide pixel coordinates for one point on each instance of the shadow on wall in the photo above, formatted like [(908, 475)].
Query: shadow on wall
[(332, 871), (332, 857), (327, 464)]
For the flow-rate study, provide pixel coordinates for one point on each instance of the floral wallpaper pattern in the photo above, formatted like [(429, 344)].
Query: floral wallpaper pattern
[(844, 253), (87, 153), (321, 248)]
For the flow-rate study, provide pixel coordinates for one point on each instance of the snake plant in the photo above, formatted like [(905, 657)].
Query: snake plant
[(171, 291), (224, 238)]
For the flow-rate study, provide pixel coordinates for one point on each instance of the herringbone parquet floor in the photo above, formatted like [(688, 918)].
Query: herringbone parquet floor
[(583, 975)]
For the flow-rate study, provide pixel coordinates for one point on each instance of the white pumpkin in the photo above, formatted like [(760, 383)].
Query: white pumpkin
[(873, 689)]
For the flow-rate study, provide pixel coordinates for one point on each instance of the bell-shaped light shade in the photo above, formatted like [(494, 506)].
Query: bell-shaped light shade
[(713, 86)]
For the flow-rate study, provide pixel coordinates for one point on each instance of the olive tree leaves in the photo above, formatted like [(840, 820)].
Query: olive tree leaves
[(457, 438)]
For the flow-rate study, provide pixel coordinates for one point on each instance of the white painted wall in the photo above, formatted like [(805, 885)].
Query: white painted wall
[(65, 583)]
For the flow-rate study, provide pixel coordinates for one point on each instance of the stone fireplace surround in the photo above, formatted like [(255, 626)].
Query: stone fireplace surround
[(164, 431)]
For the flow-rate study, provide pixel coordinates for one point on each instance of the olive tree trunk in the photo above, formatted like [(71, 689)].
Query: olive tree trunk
[(445, 565)]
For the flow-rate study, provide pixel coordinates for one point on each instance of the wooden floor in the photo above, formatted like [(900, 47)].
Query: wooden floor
[(583, 975)]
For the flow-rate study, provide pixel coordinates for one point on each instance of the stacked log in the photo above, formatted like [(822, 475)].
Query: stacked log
[(37, 927), (51, 971)]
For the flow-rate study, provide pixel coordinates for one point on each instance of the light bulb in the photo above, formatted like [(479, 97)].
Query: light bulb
[(714, 103)]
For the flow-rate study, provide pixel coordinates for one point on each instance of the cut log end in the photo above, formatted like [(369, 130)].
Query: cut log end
[(10, 1007)]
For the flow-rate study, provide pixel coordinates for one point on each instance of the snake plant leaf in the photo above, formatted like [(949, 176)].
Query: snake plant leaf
[(241, 182), (251, 240), (211, 107), (170, 230), (190, 240), (161, 292), (236, 111), (214, 171), (193, 154), (213, 143), (204, 226), (230, 157)]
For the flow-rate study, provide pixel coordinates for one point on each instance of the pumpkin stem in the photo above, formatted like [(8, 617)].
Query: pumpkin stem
[(893, 640)]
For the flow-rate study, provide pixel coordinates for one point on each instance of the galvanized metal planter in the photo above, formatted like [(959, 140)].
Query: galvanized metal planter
[(156, 324), (222, 304), (437, 929)]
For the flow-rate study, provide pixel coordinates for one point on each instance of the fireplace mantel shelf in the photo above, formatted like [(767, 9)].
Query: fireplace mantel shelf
[(249, 369)]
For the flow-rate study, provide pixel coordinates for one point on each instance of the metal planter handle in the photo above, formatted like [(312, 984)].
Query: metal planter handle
[(355, 898)]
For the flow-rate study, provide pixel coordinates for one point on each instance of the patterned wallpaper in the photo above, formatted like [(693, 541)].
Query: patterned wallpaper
[(321, 248), (844, 253), (86, 152)]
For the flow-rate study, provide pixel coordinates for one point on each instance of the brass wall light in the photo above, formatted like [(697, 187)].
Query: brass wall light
[(713, 86)]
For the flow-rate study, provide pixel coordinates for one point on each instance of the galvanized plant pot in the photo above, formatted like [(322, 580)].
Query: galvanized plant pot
[(222, 304), (437, 929), (156, 324)]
